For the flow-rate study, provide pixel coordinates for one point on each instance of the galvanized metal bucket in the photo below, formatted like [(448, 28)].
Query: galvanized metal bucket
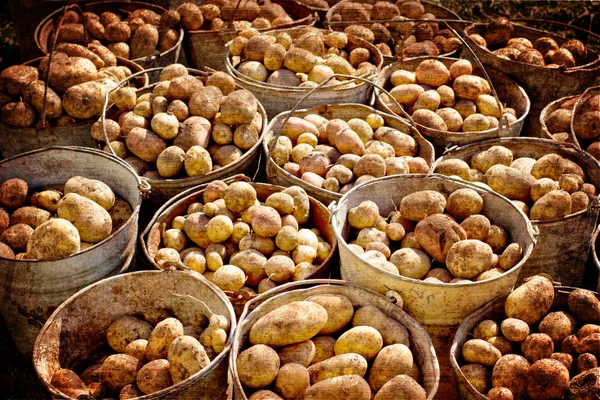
[(507, 90), (277, 175), (15, 140), (421, 345), (439, 307), (542, 84), (77, 329), (493, 310), (46, 26), (206, 49), (440, 12), (164, 189), (151, 238), (31, 290), (563, 244), (277, 99)]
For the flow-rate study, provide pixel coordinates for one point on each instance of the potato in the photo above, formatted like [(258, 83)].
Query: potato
[(530, 301), (537, 346), (301, 203), (15, 78), (78, 209), (229, 277), (154, 376), (392, 360), (548, 379), (432, 73), (86, 100), (339, 310), (480, 352), (31, 216), (92, 189), (69, 383), (585, 306), (186, 356), (338, 388), (558, 325), (509, 182), (257, 366), (478, 376), (555, 204), (125, 330), (511, 372), (17, 236), (144, 41), (417, 206), (34, 93), (589, 344), (412, 263), (161, 337), (264, 395), (463, 203), (53, 239), (363, 340), (549, 166), (292, 381), (584, 385), (274, 328), (469, 258), (238, 107), (301, 353), (137, 349), (194, 131), (338, 365), (119, 370), (264, 245), (437, 234)]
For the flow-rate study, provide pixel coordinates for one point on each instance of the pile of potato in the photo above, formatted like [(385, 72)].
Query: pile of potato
[(338, 154), (79, 79), (536, 354), (306, 61), (546, 188), (321, 349), (544, 52), (429, 230), (586, 124), (220, 15), (51, 224), (446, 99), (409, 39), (134, 35), (182, 127), (243, 244), (150, 352)]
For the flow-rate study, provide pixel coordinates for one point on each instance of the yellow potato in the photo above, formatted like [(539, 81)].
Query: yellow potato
[(301, 353), (339, 310), (186, 356), (93, 189), (53, 239), (363, 340), (339, 388), (338, 365), (91, 220), (479, 351), (161, 337), (257, 366), (392, 360), (292, 381), (125, 330)]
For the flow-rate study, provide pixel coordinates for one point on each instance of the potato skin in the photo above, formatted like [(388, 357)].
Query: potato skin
[(363, 340), (13, 193), (530, 301), (154, 376), (292, 323), (257, 366), (509, 182), (93, 189), (161, 338), (548, 380), (125, 330), (392, 360), (301, 353), (437, 234), (339, 310), (469, 258), (585, 306), (391, 330), (479, 351), (144, 41), (34, 94), (555, 204), (417, 206), (120, 370), (292, 381), (86, 100), (17, 236), (31, 216), (186, 356), (341, 387), (511, 372), (401, 387), (53, 239), (145, 144), (91, 220), (343, 364)]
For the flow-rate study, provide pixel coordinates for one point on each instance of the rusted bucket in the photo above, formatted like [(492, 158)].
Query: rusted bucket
[(439, 307), (45, 28), (545, 113), (277, 175), (595, 247), (543, 85), (359, 296), (164, 189), (151, 238), (563, 244), (508, 92), (277, 99), (493, 310), (31, 290), (207, 48), (15, 140), (77, 329), (440, 12)]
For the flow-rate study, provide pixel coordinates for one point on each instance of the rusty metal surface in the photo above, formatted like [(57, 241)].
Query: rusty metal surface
[(563, 244), (277, 99), (77, 329), (359, 296), (508, 91), (31, 290), (493, 310), (46, 26), (207, 48), (151, 237), (543, 85), (279, 176)]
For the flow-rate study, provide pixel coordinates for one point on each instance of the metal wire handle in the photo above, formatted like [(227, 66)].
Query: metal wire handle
[(576, 105)]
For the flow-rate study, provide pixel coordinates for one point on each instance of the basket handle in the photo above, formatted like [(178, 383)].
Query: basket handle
[(577, 103), (290, 113), (51, 53)]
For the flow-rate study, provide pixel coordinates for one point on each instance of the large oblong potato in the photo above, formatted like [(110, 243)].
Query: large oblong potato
[(417, 206), (530, 301), (339, 311), (343, 364), (93, 189), (91, 220), (478, 351), (393, 360), (145, 144), (363, 340), (86, 99), (392, 331), (291, 323), (339, 388), (509, 182), (161, 338), (552, 205), (186, 356), (54, 238)]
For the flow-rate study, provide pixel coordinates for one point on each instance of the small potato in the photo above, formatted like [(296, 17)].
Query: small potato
[(31, 216), (478, 376), (364, 215), (339, 310), (480, 352), (292, 381), (257, 366), (17, 236), (186, 356), (229, 277), (511, 256), (497, 238), (412, 263), (47, 200), (301, 353), (93, 189), (477, 227), (537, 346), (392, 360), (161, 337), (486, 330), (501, 344), (401, 387), (125, 330), (13, 193), (585, 306), (154, 376), (363, 340), (280, 268), (137, 349), (119, 370)]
